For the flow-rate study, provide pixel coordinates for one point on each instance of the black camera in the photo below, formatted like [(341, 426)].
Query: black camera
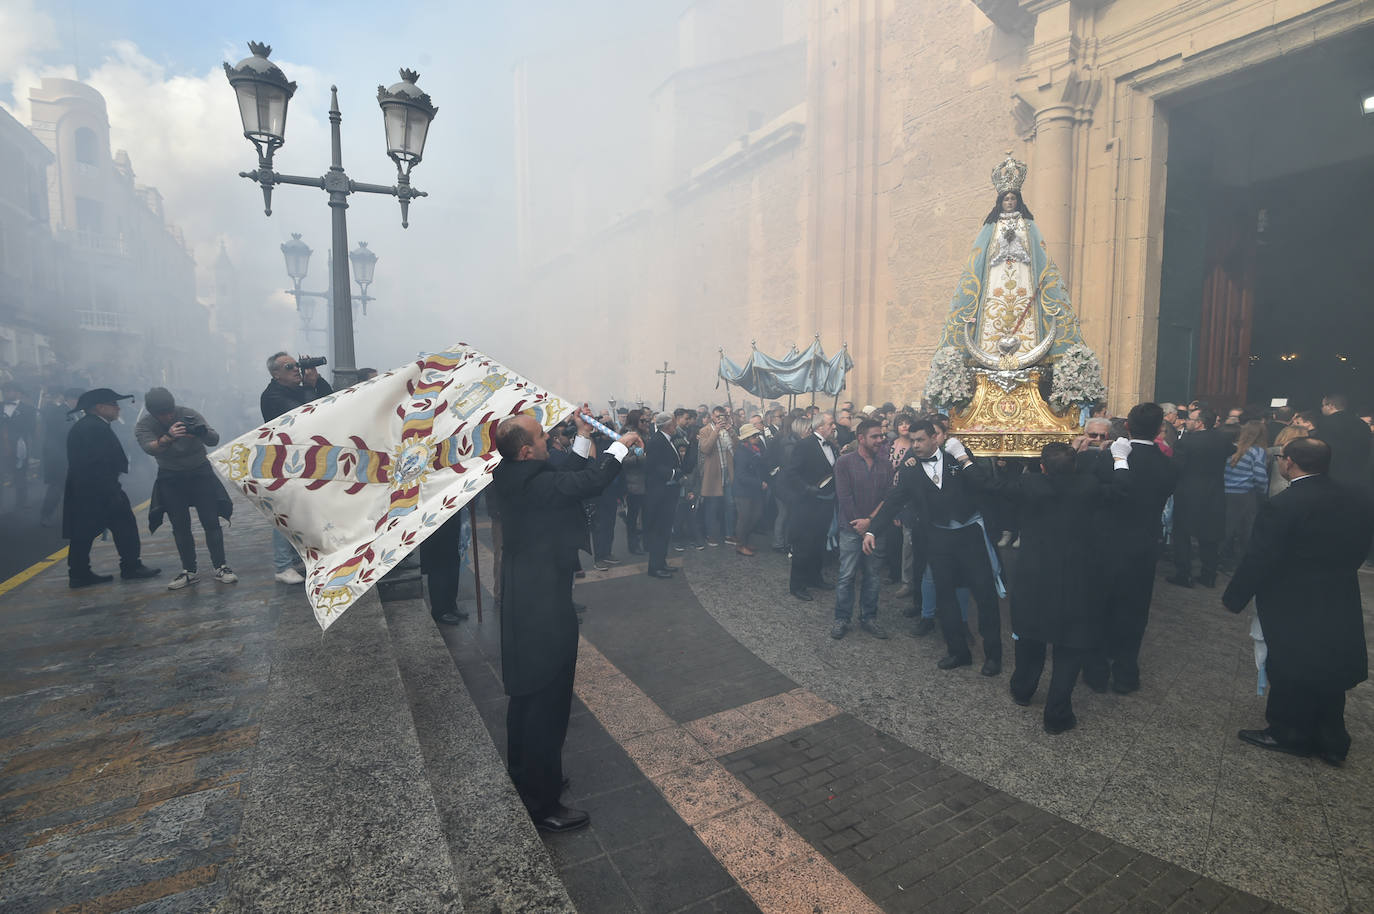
[(192, 426), (311, 361)]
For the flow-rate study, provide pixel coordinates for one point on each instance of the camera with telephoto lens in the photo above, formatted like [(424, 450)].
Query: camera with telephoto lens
[(308, 362)]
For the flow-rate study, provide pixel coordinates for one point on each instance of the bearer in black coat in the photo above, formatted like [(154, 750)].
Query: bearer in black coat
[(664, 471), (1349, 439), (1056, 593), (1301, 568), (939, 486), (1128, 538), (94, 499), (1200, 497), (542, 526), (809, 480)]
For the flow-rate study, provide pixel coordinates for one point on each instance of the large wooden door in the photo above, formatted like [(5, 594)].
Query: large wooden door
[(1228, 304)]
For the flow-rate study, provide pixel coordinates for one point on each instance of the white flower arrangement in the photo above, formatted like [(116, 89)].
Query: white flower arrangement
[(1077, 378), (950, 382)]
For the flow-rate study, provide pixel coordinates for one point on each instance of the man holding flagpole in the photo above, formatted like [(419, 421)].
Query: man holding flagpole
[(543, 525)]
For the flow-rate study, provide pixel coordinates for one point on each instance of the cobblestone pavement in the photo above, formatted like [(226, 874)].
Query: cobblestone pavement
[(921, 789), (128, 717), (168, 751)]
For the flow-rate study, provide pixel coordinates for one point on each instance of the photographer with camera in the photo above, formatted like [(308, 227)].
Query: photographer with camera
[(177, 437), (294, 382)]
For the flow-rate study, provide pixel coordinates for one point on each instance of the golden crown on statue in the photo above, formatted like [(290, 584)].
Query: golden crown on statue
[(1010, 175)]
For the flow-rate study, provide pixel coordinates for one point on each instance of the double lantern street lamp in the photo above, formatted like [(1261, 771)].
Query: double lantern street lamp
[(263, 94), (297, 253)]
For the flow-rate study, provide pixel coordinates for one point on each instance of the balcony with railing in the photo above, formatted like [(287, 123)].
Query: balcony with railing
[(97, 242), (104, 322)]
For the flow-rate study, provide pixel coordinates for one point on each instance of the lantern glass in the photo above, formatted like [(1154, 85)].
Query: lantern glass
[(297, 254), (364, 263), (406, 127)]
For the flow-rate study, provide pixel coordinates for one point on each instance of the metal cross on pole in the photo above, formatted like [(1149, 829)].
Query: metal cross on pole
[(665, 372)]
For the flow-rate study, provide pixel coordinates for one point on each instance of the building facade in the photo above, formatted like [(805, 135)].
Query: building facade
[(28, 254), (129, 312), (824, 170)]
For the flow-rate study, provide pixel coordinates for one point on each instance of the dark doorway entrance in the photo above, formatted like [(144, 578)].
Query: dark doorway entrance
[(1267, 288)]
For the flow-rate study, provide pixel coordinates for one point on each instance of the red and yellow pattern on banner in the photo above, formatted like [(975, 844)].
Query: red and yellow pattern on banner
[(358, 479)]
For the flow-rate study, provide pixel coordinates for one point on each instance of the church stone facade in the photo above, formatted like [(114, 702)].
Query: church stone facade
[(844, 202)]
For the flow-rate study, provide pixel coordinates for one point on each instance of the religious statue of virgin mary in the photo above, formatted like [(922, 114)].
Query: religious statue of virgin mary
[(1010, 324)]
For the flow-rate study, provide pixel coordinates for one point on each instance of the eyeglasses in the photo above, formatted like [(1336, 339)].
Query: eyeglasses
[(289, 366), (1096, 435)]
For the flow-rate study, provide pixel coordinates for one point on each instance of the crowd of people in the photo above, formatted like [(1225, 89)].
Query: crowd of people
[(854, 498), (1073, 537)]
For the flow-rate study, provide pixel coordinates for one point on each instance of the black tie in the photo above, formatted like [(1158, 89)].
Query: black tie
[(931, 459)]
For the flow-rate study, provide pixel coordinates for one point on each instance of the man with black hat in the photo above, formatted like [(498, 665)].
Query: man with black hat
[(177, 438), (95, 501)]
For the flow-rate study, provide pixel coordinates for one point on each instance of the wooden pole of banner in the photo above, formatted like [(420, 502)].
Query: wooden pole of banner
[(476, 565)]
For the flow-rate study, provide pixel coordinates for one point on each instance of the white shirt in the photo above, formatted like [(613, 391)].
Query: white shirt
[(583, 446), (825, 449), (935, 469)]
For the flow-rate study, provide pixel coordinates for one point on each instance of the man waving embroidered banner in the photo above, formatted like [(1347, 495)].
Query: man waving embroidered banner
[(359, 478)]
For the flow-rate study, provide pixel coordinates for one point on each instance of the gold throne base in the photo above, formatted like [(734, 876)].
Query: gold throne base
[(1011, 423)]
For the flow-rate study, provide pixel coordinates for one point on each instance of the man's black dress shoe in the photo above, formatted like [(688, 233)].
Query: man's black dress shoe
[(75, 581), (138, 572), (1018, 700), (561, 818), (822, 585), (803, 595), (1265, 740), (1060, 726), (1125, 688), (924, 627), (991, 668), (450, 617), (665, 575), (1181, 582), (951, 662)]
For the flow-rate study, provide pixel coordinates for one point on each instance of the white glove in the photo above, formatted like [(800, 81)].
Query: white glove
[(955, 448), (1121, 448)]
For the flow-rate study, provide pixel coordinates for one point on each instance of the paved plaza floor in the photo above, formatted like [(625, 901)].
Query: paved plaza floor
[(211, 750)]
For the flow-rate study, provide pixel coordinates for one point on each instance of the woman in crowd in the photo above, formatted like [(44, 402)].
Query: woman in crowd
[(1246, 480)]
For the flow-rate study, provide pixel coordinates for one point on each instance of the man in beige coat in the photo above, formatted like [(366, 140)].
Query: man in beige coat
[(716, 452)]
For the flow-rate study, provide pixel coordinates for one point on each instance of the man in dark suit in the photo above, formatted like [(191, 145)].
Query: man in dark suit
[(542, 527), (1301, 569), (1056, 593), (1128, 539), (94, 499), (939, 486), (809, 478), (1200, 497), (1349, 439), (664, 470)]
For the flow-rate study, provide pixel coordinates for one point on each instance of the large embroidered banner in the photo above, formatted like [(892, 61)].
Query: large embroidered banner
[(358, 479)]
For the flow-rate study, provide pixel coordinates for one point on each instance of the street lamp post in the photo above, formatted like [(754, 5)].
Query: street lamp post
[(296, 254), (264, 93)]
